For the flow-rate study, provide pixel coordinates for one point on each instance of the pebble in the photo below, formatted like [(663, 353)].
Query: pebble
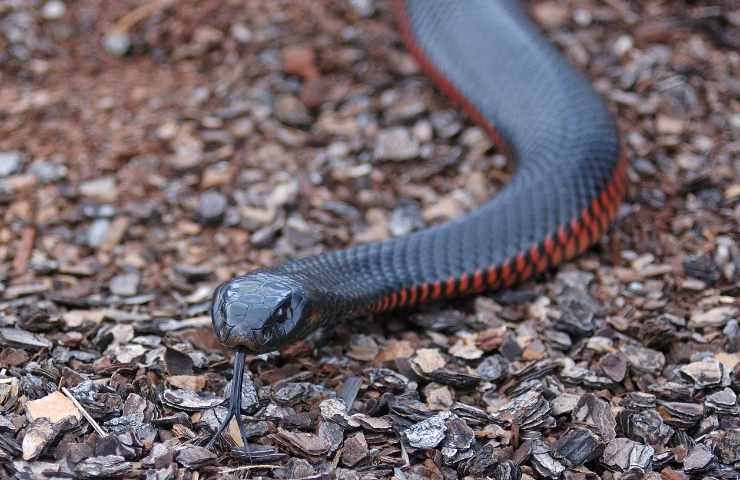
[(103, 189), (428, 433), (19, 338), (576, 279), (97, 232), (38, 435), (125, 284), (55, 407), (46, 171), (623, 45), (206, 36), (723, 401), (422, 131), (428, 360), (283, 194), (53, 10), (706, 373), (406, 108), (465, 348), (439, 397), (211, 207), (363, 8), (160, 456), (299, 60), (299, 468), (189, 400), (492, 368), (446, 123), (241, 33), (194, 457), (445, 208), (300, 233), (644, 360), (405, 219), (668, 125), (117, 43), (565, 403), (543, 461), (291, 111), (613, 366), (550, 14), (716, 317), (699, 459), (558, 340), (265, 236), (578, 311), (355, 450), (10, 162), (242, 128), (396, 144), (622, 454)]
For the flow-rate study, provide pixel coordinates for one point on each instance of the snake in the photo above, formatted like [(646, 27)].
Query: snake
[(490, 58)]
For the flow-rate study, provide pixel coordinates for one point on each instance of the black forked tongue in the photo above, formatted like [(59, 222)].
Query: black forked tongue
[(235, 402)]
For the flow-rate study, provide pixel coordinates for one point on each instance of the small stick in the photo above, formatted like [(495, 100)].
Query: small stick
[(4, 379), (125, 23), (24, 251), (247, 467), (84, 413)]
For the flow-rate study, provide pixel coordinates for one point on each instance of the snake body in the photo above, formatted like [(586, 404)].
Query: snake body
[(489, 57)]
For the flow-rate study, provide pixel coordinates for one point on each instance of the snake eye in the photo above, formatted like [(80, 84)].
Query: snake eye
[(281, 313)]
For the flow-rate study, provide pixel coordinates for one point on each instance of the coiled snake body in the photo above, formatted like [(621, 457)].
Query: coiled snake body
[(490, 58)]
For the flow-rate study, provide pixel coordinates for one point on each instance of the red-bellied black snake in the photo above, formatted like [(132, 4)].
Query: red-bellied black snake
[(570, 179)]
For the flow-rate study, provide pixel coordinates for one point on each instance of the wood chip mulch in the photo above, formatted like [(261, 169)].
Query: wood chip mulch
[(152, 149)]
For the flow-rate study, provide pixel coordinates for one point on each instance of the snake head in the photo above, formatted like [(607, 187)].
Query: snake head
[(258, 312)]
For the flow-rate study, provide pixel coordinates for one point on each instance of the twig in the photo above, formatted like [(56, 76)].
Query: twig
[(125, 23), (24, 250), (3, 379), (247, 467), (84, 413)]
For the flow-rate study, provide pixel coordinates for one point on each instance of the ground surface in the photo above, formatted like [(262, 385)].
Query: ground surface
[(150, 150)]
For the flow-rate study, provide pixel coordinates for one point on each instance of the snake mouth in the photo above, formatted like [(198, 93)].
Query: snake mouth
[(255, 340), (252, 340)]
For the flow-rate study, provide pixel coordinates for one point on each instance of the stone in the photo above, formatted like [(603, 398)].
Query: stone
[(55, 407), (396, 144), (10, 162)]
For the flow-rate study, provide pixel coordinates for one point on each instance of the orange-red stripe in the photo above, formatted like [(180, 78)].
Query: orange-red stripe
[(492, 276), (478, 280), (534, 254), (386, 302), (506, 275), (549, 244), (463, 283), (436, 290), (394, 300), (412, 296), (542, 265), (526, 272), (557, 255), (424, 292), (450, 287)]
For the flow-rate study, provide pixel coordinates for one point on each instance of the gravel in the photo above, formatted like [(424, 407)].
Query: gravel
[(151, 150)]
